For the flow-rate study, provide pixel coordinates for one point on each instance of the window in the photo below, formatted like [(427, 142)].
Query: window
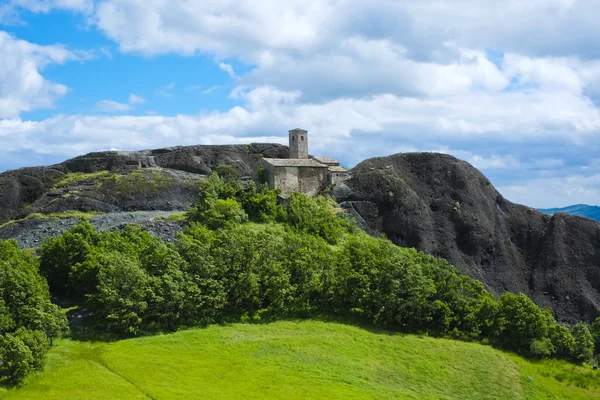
[(302, 138), (293, 138)]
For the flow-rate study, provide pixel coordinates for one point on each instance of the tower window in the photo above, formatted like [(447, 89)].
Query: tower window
[(302, 138), (293, 139)]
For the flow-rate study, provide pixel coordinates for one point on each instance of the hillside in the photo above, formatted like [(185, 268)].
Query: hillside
[(582, 210), (295, 360), (433, 202), (445, 207)]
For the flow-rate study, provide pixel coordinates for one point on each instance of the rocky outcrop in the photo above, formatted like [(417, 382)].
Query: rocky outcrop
[(113, 181), (445, 207)]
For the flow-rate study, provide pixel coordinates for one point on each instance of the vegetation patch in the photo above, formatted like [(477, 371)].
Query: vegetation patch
[(75, 178), (65, 215), (138, 181)]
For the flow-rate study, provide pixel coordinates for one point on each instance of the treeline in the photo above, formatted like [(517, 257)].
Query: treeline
[(246, 256)]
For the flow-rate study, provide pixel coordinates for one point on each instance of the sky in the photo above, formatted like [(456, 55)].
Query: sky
[(512, 86)]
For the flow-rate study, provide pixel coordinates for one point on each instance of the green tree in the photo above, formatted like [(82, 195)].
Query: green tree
[(595, 331), (583, 346), (520, 322), (59, 255), (28, 320)]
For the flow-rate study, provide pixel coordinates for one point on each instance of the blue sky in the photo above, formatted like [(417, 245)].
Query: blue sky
[(512, 87)]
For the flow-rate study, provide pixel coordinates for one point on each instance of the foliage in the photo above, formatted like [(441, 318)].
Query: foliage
[(583, 346), (520, 322), (595, 331), (28, 320), (58, 255)]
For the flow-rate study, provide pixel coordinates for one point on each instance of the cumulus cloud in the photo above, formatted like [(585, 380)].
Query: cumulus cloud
[(22, 87)]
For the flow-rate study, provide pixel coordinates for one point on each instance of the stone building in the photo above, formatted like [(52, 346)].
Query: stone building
[(299, 172)]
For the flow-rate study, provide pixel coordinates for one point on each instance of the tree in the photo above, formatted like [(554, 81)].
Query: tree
[(595, 331), (59, 255), (583, 346), (16, 359), (28, 320), (520, 322)]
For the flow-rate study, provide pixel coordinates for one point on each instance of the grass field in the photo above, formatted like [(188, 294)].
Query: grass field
[(296, 360)]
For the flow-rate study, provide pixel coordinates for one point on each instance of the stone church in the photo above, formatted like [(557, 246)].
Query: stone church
[(300, 172)]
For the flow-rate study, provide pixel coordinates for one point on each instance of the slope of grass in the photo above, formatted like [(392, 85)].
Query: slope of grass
[(292, 360)]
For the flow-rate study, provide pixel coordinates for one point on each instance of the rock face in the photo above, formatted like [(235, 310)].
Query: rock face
[(445, 207), (164, 179)]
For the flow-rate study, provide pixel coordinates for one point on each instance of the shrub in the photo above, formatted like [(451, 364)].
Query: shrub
[(542, 348)]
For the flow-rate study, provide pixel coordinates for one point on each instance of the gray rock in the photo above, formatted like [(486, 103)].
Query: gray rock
[(445, 207)]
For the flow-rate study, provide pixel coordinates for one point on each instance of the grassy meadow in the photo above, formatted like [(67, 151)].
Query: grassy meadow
[(297, 360)]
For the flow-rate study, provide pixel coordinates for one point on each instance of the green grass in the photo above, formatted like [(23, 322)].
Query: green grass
[(65, 214), (80, 177), (291, 360)]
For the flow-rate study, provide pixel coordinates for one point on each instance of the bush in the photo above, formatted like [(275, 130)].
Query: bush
[(562, 340), (542, 348), (315, 216)]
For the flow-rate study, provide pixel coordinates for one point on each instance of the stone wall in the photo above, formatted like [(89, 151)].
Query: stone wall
[(312, 180)]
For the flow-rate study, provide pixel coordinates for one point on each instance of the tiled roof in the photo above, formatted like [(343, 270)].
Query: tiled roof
[(337, 168), (294, 162), (327, 160)]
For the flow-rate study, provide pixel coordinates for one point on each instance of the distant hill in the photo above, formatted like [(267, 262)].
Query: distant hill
[(582, 210)]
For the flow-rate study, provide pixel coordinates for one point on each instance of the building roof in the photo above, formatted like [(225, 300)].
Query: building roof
[(294, 162), (327, 160), (337, 168)]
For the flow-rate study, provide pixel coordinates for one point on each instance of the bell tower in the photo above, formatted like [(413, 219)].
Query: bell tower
[(298, 143)]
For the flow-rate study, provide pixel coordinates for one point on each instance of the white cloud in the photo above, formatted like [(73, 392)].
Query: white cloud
[(22, 87), (112, 106), (115, 106), (10, 10), (135, 99), (44, 6), (228, 68), (166, 91)]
